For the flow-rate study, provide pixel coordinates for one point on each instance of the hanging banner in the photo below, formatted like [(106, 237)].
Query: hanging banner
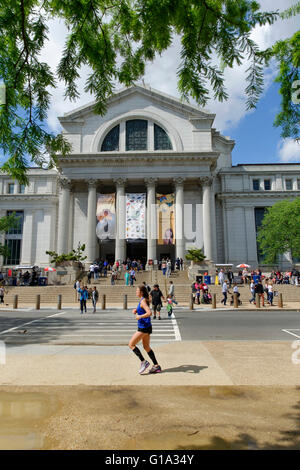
[(106, 216), (135, 216), (165, 219)]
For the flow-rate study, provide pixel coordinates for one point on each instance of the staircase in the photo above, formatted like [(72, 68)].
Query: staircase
[(115, 294)]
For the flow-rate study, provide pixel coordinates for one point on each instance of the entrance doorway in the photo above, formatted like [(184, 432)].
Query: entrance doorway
[(137, 250)]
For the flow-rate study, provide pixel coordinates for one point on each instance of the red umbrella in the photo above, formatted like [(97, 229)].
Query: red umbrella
[(243, 266), (49, 269)]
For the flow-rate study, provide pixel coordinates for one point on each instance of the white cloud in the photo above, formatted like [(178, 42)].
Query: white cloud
[(162, 73), (289, 151)]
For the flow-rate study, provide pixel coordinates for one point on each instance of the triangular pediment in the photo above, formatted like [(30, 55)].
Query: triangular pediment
[(155, 96)]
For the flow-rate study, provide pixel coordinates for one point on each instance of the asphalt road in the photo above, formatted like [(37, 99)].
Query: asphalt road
[(115, 327)]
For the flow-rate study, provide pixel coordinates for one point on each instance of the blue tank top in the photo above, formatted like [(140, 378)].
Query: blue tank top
[(142, 322)]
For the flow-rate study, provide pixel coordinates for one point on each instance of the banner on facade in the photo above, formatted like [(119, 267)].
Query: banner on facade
[(106, 216), (165, 219), (135, 216)]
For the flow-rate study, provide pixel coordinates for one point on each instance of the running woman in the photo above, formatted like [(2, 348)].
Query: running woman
[(143, 316)]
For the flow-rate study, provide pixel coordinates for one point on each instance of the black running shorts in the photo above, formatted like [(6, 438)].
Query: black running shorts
[(147, 330)]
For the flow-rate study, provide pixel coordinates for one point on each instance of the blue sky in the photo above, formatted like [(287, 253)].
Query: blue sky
[(256, 138)]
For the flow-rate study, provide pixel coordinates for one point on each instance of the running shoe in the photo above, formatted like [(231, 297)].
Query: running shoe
[(154, 317), (155, 369), (144, 366)]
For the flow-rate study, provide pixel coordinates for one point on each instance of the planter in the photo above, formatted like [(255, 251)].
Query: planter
[(66, 272)]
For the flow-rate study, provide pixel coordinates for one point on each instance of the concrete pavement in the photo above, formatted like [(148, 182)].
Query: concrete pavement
[(183, 363)]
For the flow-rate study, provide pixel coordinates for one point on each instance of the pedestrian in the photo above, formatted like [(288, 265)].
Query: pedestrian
[(164, 267), (236, 291), (132, 277), (2, 292), (230, 277), (172, 292), (169, 268), (95, 297), (252, 290), (221, 277), (169, 306), (260, 291), (181, 264), (77, 286), (112, 277), (147, 287), (83, 291), (224, 292), (127, 276), (156, 296), (143, 316), (270, 293)]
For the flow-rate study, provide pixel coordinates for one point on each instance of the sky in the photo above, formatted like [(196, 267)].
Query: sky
[(257, 141)]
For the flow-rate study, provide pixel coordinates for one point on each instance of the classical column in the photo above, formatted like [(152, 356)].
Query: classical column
[(207, 231), (91, 245), (179, 208), (120, 247), (28, 238), (63, 216), (214, 225), (151, 219)]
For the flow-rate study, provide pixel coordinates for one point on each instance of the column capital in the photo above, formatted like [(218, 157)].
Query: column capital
[(120, 181), (150, 181), (179, 180), (64, 183), (206, 181), (91, 182)]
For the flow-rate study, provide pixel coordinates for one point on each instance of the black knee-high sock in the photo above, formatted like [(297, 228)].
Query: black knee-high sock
[(152, 357), (138, 353)]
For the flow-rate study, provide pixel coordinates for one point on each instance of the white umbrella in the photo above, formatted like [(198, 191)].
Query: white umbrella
[(49, 268), (243, 265)]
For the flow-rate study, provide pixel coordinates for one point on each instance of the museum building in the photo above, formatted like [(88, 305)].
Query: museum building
[(149, 179)]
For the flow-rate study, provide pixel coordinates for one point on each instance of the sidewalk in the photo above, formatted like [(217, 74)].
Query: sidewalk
[(197, 308), (184, 364)]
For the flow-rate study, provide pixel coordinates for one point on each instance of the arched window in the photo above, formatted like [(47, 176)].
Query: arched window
[(111, 141), (136, 134), (161, 139)]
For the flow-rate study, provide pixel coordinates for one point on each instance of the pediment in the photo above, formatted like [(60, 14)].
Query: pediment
[(152, 96)]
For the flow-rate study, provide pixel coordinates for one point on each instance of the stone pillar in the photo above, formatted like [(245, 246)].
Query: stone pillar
[(28, 238), (151, 219), (91, 245), (179, 217), (63, 216), (213, 225), (120, 249), (207, 230)]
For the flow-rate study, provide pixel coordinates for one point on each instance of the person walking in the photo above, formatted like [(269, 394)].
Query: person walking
[(252, 290), (127, 276), (164, 267), (83, 291), (230, 277), (270, 293), (172, 292), (143, 315), (95, 297), (260, 291), (2, 292), (221, 277), (224, 292), (169, 268), (156, 296), (132, 277)]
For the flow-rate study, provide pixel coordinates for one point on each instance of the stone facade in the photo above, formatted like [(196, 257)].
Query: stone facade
[(59, 207)]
